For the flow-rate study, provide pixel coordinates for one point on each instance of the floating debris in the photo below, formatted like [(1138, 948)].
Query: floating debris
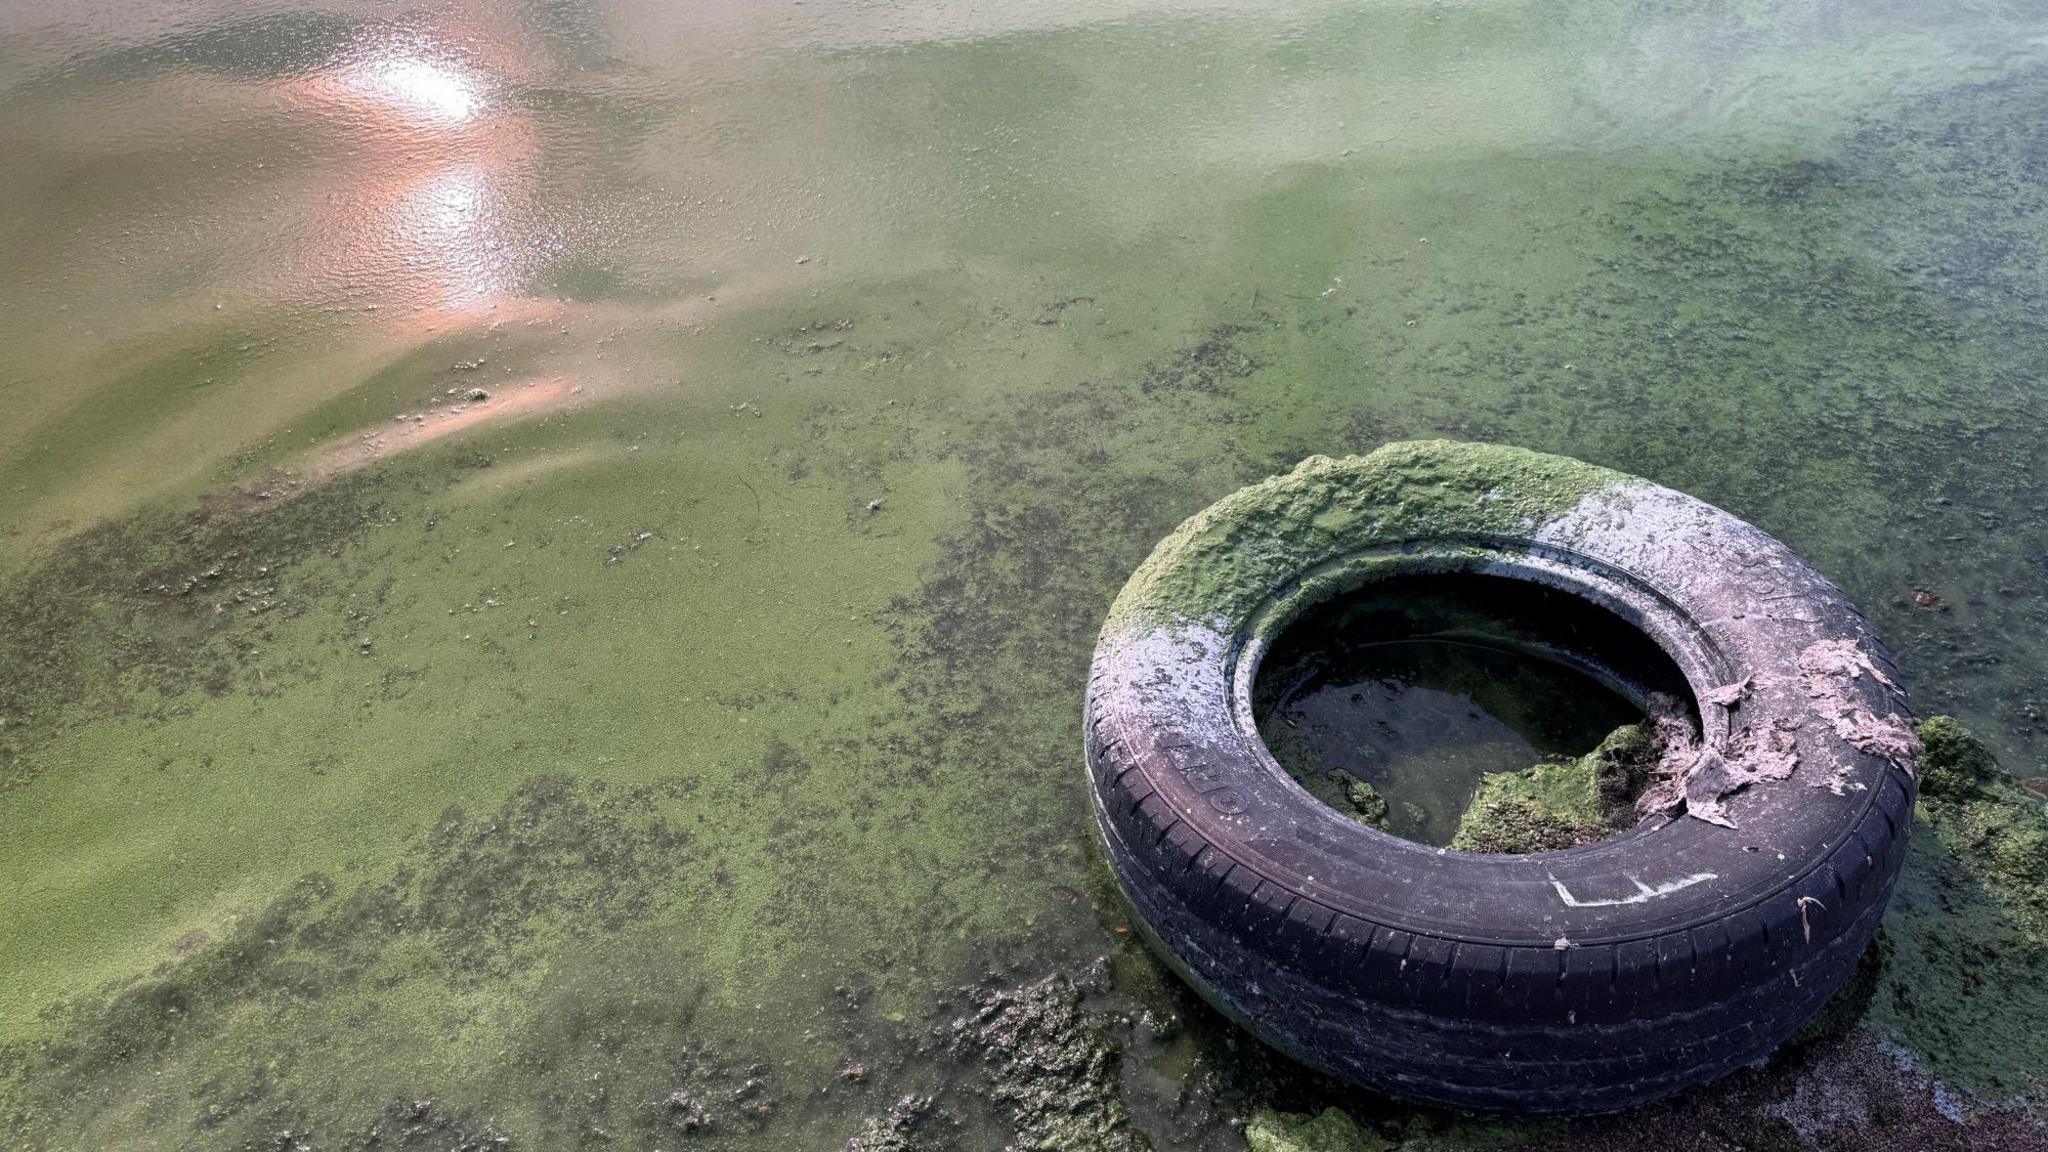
[(685, 1112)]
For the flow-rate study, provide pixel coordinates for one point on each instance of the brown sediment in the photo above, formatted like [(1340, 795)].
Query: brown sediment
[(1054, 1066), (429, 423)]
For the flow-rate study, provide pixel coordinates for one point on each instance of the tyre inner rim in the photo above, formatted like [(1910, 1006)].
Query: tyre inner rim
[(1419, 685)]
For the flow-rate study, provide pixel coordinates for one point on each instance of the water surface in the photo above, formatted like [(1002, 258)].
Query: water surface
[(1424, 721), (703, 697)]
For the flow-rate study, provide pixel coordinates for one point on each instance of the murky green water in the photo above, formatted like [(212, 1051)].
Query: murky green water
[(700, 704), (1424, 721), (1421, 686)]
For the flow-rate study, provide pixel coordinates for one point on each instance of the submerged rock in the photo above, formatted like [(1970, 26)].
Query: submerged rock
[(1992, 826), (1367, 805)]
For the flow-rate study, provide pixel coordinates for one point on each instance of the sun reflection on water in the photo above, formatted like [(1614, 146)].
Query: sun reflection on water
[(449, 221), (429, 210), (416, 84)]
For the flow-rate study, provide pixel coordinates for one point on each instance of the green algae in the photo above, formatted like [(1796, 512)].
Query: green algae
[(140, 610), (1501, 821), (562, 860), (1996, 829), (1968, 929), (1547, 807), (1332, 1130), (1747, 323), (1339, 789), (1954, 764), (1367, 805), (1227, 559)]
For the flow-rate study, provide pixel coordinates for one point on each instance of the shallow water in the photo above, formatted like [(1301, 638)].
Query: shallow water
[(1421, 685), (1423, 721), (705, 697)]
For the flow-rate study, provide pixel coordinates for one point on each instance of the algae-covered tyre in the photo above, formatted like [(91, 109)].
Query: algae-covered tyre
[(1584, 980)]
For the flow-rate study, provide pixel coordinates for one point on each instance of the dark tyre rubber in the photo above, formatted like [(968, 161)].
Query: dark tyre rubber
[(1586, 980)]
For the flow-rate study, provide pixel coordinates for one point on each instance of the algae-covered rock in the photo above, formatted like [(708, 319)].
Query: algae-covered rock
[(1504, 822), (1348, 794), (1623, 765), (1984, 817), (1560, 805), (1367, 805), (895, 1132), (2002, 832), (1953, 762), (1331, 1130), (1336, 787), (1054, 1066)]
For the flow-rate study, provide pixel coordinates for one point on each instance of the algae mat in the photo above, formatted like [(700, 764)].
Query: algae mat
[(549, 551)]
